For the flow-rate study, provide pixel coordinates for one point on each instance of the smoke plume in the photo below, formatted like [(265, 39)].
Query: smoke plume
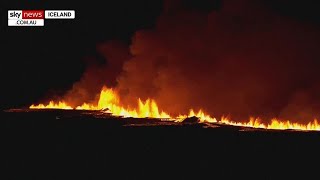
[(242, 59), (101, 70)]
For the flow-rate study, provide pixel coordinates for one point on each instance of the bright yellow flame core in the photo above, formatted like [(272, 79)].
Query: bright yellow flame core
[(109, 101)]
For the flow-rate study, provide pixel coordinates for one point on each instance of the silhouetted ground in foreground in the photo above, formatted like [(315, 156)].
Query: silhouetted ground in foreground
[(67, 145)]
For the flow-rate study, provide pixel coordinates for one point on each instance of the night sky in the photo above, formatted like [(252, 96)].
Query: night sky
[(43, 61)]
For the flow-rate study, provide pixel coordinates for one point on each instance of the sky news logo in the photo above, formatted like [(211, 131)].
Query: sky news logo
[(36, 17)]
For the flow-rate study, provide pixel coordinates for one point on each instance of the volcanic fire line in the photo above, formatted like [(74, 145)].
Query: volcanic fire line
[(109, 101)]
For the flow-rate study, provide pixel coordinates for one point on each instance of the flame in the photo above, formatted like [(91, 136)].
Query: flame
[(109, 101), (52, 105), (275, 124), (201, 115)]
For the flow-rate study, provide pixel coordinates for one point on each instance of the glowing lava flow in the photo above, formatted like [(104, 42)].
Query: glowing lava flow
[(52, 105), (275, 124), (110, 101)]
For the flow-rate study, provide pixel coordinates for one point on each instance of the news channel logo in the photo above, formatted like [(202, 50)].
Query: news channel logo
[(37, 17)]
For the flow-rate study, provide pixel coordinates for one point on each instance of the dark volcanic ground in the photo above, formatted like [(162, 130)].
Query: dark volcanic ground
[(85, 145)]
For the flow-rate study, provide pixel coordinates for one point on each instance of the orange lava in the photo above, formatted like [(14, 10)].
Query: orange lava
[(109, 101)]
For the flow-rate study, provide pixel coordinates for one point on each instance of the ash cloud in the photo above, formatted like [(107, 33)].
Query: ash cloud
[(101, 70), (240, 60)]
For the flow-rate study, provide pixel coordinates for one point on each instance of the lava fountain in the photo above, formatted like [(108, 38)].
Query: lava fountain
[(109, 101)]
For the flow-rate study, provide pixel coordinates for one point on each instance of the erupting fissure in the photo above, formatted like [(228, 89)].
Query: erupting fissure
[(110, 101)]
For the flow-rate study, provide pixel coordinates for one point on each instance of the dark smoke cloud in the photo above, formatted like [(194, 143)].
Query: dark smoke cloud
[(101, 70), (240, 60)]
